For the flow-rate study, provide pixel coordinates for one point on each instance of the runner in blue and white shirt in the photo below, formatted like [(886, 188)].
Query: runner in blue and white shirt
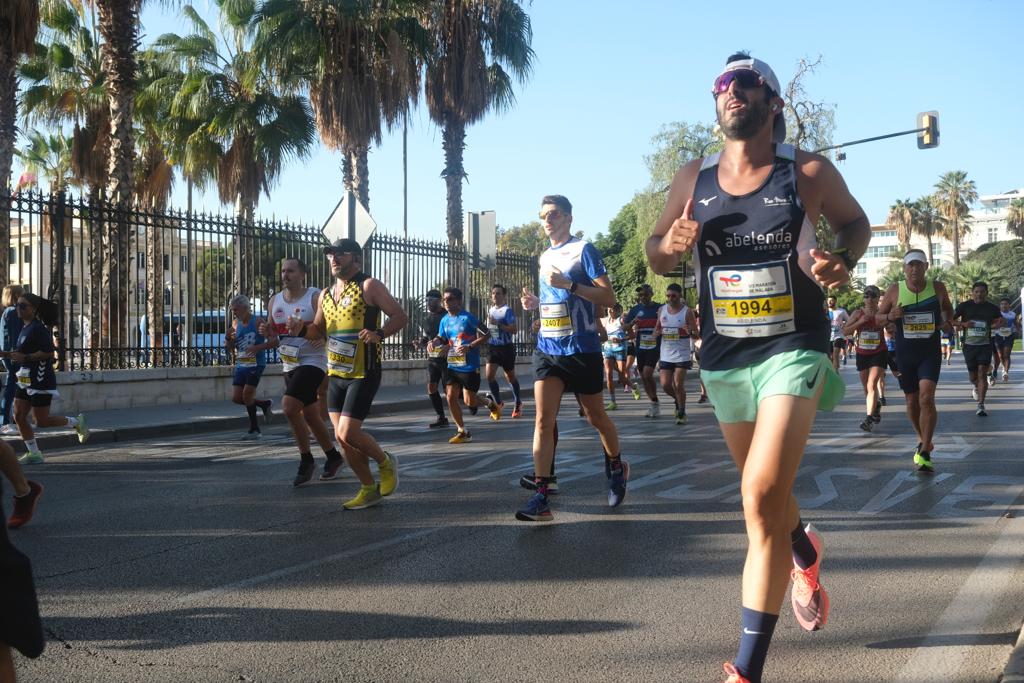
[(501, 323), (573, 283)]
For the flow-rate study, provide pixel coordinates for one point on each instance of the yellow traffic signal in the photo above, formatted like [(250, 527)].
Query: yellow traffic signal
[(929, 136)]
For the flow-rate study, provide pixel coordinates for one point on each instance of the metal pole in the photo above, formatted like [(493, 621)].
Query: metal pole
[(405, 224), (877, 137)]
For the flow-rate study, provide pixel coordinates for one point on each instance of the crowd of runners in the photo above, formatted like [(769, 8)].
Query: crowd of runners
[(768, 342)]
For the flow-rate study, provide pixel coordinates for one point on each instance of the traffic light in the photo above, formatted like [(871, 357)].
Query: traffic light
[(929, 136)]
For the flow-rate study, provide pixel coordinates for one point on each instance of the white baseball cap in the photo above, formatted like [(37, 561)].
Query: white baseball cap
[(915, 255)]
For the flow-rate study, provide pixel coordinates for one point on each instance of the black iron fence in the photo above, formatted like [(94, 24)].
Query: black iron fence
[(139, 287)]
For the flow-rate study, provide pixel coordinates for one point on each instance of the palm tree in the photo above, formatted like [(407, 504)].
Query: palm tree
[(48, 157), (900, 219), (927, 221), (227, 120), (954, 194), (474, 42), (1015, 218), (19, 22), (65, 85), (360, 61)]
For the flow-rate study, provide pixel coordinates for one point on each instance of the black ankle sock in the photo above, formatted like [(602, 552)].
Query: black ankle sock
[(333, 455), (307, 458), (804, 553), (253, 426), (263, 405)]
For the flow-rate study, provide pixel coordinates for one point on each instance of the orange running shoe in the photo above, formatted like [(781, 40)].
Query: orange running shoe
[(734, 675), (518, 410), (810, 601)]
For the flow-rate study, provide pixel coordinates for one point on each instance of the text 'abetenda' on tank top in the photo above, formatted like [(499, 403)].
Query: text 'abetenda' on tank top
[(345, 314), (296, 351), (917, 331), (756, 291)]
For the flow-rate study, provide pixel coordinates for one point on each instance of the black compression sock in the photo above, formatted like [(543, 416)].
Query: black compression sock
[(253, 426), (307, 458), (435, 400), (333, 454)]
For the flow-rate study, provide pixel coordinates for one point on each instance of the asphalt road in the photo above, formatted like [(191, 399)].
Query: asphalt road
[(194, 559)]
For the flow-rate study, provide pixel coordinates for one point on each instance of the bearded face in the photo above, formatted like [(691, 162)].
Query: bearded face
[(742, 113)]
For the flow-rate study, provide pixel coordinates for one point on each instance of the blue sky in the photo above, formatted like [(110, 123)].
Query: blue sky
[(609, 74)]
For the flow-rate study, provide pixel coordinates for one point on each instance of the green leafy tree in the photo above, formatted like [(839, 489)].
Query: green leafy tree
[(477, 48), (1015, 218), (963, 277), (528, 238), (1005, 261), (676, 144), (954, 194), (48, 157)]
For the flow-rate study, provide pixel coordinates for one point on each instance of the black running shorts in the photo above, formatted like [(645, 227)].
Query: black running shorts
[(648, 359), (437, 370), (352, 397), (303, 382), (977, 355), (467, 380), (914, 368), (872, 360), (582, 373), (672, 366), (34, 400), (503, 355)]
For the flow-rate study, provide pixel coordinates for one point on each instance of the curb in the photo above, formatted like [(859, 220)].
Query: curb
[(205, 426), (1014, 672)]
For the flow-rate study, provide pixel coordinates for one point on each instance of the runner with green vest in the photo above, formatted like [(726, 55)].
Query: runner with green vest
[(921, 309), (348, 317)]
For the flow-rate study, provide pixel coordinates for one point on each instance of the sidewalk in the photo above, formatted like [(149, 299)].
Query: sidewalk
[(127, 424), (1014, 672)]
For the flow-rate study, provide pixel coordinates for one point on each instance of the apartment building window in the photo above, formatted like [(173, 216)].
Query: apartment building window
[(181, 297), (12, 255), (69, 254), (993, 233), (26, 253), (167, 262), (74, 294), (885, 233), (862, 269), (167, 295), (184, 263), (879, 252), (936, 251), (140, 259)]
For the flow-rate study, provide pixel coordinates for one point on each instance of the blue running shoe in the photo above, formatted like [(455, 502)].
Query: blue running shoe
[(536, 510), (617, 484)]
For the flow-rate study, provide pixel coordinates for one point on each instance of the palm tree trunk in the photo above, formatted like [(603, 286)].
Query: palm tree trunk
[(453, 141), (155, 290), (361, 176), (928, 236), (242, 249), (8, 132), (956, 242), (119, 26), (347, 172)]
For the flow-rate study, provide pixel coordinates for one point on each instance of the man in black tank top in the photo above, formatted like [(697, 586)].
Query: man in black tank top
[(748, 213)]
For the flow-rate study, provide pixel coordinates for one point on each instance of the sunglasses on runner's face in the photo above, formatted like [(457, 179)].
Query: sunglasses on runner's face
[(22, 305), (553, 215), (870, 295), (746, 79)]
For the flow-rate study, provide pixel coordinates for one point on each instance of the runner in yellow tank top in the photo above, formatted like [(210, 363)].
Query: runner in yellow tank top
[(347, 318)]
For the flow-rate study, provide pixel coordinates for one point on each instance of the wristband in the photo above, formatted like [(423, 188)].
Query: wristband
[(380, 333), (844, 254), (573, 287)]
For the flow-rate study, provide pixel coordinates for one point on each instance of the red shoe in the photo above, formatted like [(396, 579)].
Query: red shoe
[(518, 410), (25, 506), (734, 675), (810, 601)]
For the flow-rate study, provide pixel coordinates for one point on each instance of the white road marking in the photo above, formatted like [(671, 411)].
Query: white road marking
[(205, 595), (969, 609)]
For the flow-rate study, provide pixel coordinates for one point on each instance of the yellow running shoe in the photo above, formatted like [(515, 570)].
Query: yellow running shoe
[(388, 475), (461, 437), (495, 408), (367, 497)]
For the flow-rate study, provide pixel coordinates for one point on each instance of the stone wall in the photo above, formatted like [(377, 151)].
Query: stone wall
[(113, 389)]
